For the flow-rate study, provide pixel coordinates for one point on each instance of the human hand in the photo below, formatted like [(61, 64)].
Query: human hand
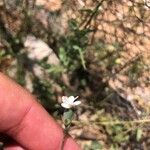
[(27, 122)]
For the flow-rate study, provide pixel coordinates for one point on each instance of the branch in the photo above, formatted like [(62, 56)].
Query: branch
[(93, 13)]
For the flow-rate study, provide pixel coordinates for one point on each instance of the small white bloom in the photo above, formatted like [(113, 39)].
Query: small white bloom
[(69, 102)]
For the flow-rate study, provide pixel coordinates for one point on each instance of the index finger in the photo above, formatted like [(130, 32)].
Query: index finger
[(26, 121)]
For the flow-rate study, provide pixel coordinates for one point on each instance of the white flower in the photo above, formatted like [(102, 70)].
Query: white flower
[(69, 102)]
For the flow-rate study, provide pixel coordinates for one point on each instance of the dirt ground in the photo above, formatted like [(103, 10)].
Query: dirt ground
[(118, 69)]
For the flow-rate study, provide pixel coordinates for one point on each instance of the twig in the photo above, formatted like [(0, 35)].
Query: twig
[(93, 13)]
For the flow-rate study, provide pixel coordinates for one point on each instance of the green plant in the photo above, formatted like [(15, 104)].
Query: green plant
[(73, 47), (95, 145)]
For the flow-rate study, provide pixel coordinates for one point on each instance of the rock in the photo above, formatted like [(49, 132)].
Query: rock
[(38, 50)]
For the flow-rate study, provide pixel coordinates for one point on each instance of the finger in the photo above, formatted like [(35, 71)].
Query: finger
[(13, 146), (26, 121)]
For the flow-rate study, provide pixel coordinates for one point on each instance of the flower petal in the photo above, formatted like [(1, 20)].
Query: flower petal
[(76, 97), (71, 100), (77, 103), (64, 98), (65, 105)]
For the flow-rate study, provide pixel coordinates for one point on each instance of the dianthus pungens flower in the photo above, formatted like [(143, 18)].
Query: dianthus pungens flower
[(69, 102)]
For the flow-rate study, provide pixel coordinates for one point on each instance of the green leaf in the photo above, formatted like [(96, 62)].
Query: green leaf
[(68, 117), (139, 133), (81, 55), (63, 56), (73, 24), (96, 145), (120, 137), (89, 11), (114, 147), (2, 53)]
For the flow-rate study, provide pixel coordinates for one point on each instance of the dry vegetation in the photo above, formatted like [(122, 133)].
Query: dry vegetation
[(97, 49)]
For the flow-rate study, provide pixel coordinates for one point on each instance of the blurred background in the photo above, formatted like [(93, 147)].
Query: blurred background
[(95, 49)]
